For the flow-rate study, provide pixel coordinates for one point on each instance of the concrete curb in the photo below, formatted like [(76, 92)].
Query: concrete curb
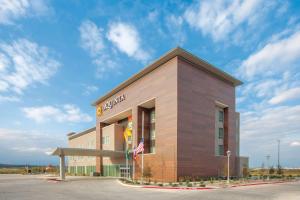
[(128, 185), (178, 188), (167, 188), (261, 183)]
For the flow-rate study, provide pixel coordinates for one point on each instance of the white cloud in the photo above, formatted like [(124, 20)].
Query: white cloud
[(174, 25), (295, 144), (291, 94), (91, 37), (260, 130), (126, 38), (274, 57), (281, 120), (9, 98), (11, 10), (93, 42), (220, 18), (29, 147), (24, 63), (66, 113), (90, 89)]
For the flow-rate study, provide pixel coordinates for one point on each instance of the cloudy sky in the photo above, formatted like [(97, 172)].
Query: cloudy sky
[(57, 57)]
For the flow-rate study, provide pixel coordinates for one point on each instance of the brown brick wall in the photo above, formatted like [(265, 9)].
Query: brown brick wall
[(197, 93), (161, 85)]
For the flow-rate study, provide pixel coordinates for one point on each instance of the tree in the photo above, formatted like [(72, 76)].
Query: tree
[(279, 170), (271, 170)]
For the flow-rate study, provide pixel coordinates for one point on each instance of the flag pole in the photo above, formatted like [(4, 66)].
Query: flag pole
[(126, 155), (143, 148), (132, 148)]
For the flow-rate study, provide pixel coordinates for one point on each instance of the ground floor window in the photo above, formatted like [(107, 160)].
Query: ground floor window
[(152, 130)]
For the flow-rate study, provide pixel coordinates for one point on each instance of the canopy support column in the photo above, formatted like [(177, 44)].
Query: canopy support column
[(62, 167)]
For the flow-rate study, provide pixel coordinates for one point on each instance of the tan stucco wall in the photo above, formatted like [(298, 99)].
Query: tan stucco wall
[(87, 141)]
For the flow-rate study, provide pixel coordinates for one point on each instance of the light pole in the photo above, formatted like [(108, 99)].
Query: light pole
[(278, 161), (228, 170), (268, 168)]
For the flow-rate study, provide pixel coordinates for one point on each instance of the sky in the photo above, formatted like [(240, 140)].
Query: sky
[(57, 57)]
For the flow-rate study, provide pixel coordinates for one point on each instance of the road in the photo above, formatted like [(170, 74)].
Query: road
[(25, 187)]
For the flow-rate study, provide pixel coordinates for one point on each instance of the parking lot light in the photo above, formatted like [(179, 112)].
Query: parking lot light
[(228, 170)]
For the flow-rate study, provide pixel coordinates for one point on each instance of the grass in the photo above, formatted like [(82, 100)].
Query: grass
[(12, 170)]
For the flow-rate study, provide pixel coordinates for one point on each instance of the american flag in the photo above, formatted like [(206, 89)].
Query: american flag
[(138, 149)]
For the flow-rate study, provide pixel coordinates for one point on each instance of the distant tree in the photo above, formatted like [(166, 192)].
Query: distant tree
[(262, 170), (279, 170), (245, 172), (271, 170)]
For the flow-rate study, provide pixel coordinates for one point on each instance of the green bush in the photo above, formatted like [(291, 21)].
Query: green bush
[(190, 184), (175, 185), (202, 184)]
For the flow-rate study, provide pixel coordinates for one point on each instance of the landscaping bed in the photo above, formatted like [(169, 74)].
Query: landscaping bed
[(208, 183)]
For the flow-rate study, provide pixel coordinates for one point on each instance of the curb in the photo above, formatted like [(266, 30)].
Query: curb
[(178, 188), (167, 188), (128, 185), (263, 183)]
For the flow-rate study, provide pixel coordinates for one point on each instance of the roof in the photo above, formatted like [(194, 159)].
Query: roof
[(75, 135), (168, 56)]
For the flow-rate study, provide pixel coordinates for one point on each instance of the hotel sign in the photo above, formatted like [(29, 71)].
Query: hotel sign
[(110, 104)]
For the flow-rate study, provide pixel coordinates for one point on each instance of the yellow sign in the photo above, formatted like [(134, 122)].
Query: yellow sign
[(99, 110), (127, 135)]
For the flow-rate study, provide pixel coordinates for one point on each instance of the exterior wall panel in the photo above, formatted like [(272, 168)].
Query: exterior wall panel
[(197, 92), (161, 85)]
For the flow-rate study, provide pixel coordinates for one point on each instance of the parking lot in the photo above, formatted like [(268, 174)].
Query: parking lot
[(19, 187)]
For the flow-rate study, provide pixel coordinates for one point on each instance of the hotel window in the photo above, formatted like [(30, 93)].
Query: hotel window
[(152, 131), (221, 149), (105, 140), (221, 115), (219, 132)]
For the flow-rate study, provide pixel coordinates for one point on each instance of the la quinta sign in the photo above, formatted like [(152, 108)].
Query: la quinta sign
[(110, 104)]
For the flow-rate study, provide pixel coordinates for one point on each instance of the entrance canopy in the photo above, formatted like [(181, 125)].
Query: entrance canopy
[(86, 152), (62, 152)]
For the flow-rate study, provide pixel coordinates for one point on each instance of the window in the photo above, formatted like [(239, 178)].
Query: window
[(152, 131), (221, 150), (105, 140), (221, 115), (221, 133)]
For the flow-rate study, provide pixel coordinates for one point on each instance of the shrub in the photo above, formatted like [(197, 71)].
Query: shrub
[(161, 184), (202, 184), (175, 184), (190, 184)]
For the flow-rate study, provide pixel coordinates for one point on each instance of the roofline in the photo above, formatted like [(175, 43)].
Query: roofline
[(178, 51), (75, 135)]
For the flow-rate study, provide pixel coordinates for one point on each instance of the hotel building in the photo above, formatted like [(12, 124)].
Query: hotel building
[(185, 110)]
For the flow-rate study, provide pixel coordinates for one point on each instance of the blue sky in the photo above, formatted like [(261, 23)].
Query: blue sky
[(57, 57)]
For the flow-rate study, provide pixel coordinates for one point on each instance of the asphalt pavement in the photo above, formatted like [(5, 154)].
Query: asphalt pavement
[(30, 187)]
